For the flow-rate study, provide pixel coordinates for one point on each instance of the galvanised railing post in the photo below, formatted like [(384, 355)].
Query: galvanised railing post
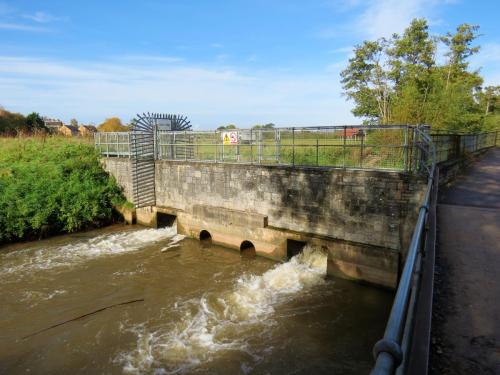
[(317, 155), (362, 147), (293, 146), (216, 144), (251, 146), (344, 147), (406, 164), (107, 145)]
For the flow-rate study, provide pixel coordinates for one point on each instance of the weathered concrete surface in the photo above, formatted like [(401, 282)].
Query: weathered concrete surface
[(121, 170), (364, 219), (368, 207), (466, 324)]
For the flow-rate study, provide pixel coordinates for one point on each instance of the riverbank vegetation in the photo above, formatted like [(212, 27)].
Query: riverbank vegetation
[(52, 184), (407, 79)]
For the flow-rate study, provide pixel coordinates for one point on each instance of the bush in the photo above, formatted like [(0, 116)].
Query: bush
[(52, 184)]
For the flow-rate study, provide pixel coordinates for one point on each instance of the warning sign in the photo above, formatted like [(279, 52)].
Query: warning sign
[(230, 138)]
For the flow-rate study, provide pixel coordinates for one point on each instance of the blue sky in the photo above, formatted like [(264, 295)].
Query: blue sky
[(219, 62)]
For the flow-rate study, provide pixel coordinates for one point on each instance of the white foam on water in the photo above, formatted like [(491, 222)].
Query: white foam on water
[(174, 242), (214, 324), (24, 261)]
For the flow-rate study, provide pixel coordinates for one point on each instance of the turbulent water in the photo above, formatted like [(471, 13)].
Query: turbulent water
[(196, 308)]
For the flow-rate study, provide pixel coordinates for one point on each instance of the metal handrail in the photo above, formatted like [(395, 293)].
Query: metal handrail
[(388, 352)]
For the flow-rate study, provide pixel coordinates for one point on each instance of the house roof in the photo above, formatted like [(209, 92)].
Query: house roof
[(71, 127), (90, 128)]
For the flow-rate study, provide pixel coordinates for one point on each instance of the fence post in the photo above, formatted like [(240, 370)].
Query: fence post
[(343, 148), (251, 146), (317, 156), (407, 168), (293, 146), (216, 139), (362, 147), (107, 145)]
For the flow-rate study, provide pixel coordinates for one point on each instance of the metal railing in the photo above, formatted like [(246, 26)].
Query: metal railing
[(370, 147), (453, 146), (113, 144), (392, 351)]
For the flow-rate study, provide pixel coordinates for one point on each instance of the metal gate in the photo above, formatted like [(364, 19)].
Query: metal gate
[(142, 150)]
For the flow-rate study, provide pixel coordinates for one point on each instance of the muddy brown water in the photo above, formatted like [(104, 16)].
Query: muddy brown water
[(199, 308)]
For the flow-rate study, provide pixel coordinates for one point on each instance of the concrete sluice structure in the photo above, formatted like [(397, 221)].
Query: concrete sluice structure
[(363, 219)]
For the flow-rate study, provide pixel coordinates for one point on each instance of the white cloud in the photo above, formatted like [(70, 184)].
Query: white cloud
[(382, 18), (210, 97), (488, 60), (150, 58), (21, 27), (41, 17), (385, 17)]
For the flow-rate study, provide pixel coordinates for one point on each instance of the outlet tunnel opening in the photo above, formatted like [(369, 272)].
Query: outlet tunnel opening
[(164, 220), (247, 249), (294, 247), (205, 236)]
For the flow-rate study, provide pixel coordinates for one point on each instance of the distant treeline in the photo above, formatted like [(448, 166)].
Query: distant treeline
[(16, 123), (12, 123)]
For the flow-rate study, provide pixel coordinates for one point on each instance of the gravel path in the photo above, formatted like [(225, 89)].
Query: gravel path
[(466, 313)]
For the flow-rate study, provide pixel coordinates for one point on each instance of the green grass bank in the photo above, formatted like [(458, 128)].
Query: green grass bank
[(52, 184)]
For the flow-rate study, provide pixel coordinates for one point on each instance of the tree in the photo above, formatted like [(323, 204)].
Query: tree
[(35, 123), (398, 80), (12, 123), (112, 124), (73, 122), (227, 127)]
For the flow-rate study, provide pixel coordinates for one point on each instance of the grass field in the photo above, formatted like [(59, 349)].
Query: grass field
[(381, 149)]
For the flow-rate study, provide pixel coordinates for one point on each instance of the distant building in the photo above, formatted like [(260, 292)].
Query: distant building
[(68, 130), (52, 124), (87, 130), (351, 134)]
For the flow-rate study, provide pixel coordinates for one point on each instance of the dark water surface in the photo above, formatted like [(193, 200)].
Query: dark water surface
[(205, 309)]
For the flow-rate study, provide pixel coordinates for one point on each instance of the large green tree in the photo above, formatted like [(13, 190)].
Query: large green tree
[(399, 80)]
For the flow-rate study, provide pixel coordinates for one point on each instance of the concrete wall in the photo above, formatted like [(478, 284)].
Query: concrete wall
[(362, 218), (121, 170), (369, 207)]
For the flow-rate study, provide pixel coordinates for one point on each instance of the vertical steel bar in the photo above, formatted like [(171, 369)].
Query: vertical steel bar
[(361, 151), (107, 145), (406, 150), (293, 146), (343, 148), (251, 146), (317, 149)]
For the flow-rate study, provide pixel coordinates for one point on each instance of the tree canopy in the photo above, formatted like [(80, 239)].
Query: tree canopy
[(112, 124), (227, 127), (399, 80), (13, 123)]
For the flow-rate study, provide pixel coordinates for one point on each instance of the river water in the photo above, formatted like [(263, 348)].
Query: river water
[(130, 300)]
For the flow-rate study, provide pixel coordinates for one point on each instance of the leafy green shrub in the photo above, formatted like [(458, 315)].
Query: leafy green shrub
[(53, 184)]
